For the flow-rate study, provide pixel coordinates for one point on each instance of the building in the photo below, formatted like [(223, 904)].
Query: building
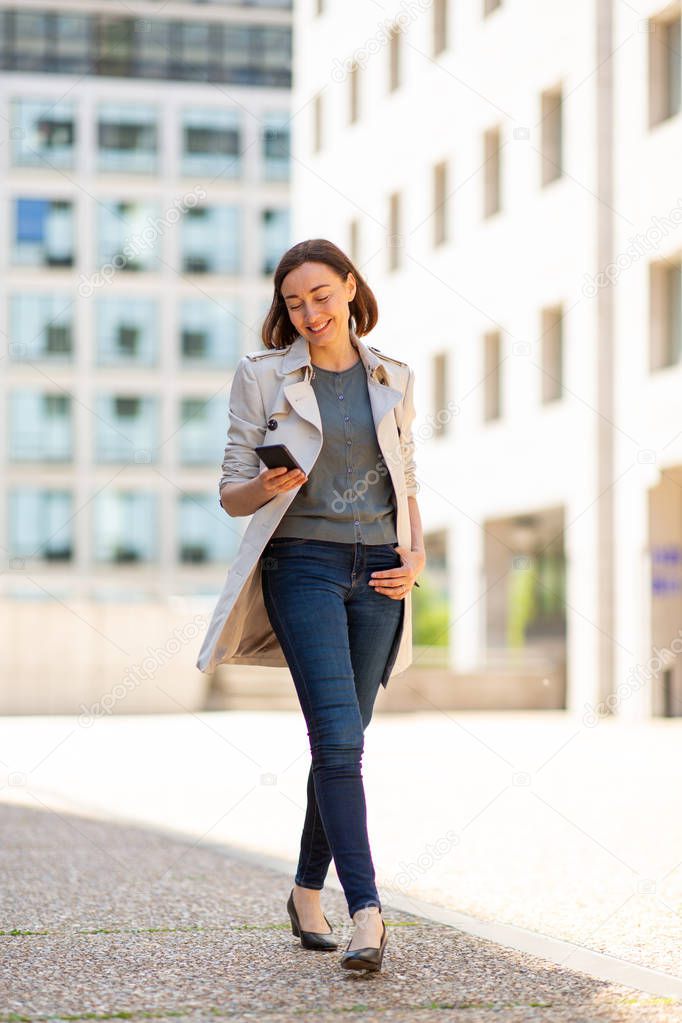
[(144, 186), (508, 186)]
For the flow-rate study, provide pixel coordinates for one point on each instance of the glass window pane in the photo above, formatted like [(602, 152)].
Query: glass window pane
[(39, 427), (41, 326), (276, 147), (210, 332), (127, 138), (201, 536), (211, 143), (127, 240), (201, 430), (210, 239), (127, 331), (43, 232), (126, 429), (40, 524), (275, 237), (125, 527), (43, 133)]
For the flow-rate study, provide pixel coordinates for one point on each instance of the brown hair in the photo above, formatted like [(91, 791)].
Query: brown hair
[(278, 331)]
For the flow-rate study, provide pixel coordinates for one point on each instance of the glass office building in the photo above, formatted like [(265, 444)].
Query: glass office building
[(146, 198)]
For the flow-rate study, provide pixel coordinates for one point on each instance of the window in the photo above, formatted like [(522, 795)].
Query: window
[(317, 123), (492, 369), (126, 429), (41, 326), (440, 26), (491, 172), (664, 68), (44, 133), (394, 232), (665, 314), (125, 240), (127, 138), (440, 393), (440, 203), (552, 136), (211, 143), (40, 524), (40, 427), (552, 354), (276, 141), (394, 55), (274, 238), (202, 430), (200, 538), (354, 240), (210, 332), (210, 240), (127, 331), (353, 93), (125, 526), (43, 232), (153, 48)]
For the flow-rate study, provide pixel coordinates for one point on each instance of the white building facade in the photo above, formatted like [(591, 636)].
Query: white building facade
[(486, 166)]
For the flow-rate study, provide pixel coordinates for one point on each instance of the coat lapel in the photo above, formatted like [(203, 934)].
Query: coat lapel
[(301, 396)]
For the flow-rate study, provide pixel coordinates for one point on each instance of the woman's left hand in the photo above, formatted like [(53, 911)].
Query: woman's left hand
[(396, 582)]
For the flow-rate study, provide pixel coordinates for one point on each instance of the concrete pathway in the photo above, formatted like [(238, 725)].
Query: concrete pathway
[(104, 921), (537, 832)]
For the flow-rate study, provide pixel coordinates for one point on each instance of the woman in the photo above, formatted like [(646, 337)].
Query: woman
[(334, 576)]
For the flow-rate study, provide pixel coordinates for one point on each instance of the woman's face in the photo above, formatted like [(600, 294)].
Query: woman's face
[(316, 297)]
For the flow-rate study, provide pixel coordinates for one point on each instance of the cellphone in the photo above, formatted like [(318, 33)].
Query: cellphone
[(277, 456)]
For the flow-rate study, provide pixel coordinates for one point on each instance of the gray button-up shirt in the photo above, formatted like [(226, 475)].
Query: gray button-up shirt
[(348, 496)]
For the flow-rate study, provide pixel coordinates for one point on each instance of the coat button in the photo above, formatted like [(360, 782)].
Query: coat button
[(272, 424)]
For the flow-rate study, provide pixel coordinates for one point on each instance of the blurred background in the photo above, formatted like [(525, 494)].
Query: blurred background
[(506, 178)]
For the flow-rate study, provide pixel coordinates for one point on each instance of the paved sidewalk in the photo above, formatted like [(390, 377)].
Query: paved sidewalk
[(528, 820), (107, 921)]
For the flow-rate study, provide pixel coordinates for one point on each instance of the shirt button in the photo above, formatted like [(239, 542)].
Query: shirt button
[(357, 522), (340, 397), (349, 442), (346, 419)]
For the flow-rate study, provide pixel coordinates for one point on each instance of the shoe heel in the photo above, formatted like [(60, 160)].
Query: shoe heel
[(309, 939)]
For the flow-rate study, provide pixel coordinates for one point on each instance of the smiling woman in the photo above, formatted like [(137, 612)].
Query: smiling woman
[(323, 579)]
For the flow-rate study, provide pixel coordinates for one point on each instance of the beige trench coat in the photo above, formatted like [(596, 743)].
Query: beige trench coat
[(274, 384)]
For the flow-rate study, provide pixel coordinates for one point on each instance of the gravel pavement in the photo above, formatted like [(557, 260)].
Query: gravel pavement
[(101, 920)]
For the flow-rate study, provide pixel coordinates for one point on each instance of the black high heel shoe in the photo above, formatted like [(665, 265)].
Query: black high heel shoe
[(316, 940), (368, 958)]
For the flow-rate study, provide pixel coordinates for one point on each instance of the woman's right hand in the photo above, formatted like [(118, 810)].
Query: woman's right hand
[(279, 480)]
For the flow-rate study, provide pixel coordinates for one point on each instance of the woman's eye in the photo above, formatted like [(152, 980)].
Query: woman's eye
[(295, 308)]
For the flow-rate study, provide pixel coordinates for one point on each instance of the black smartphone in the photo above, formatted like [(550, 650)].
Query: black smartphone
[(277, 456)]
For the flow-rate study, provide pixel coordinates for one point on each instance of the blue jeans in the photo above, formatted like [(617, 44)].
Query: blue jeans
[(336, 633)]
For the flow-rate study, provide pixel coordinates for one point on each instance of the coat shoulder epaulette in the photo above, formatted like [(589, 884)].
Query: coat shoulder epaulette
[(389, 358), (264, 354)]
